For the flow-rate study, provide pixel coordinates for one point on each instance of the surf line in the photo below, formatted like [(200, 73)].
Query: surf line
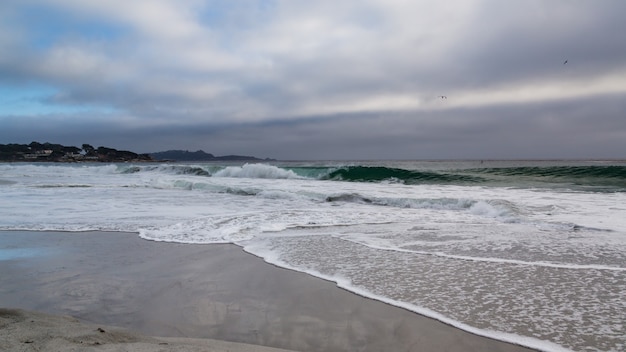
[(491, 260)]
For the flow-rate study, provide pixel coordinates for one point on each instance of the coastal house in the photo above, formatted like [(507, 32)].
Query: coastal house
[(38, 154)]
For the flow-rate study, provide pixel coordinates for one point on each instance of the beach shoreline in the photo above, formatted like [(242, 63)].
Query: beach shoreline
[(207, 292)]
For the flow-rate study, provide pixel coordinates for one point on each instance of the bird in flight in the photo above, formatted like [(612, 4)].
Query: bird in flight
[(442, 97), (564, 62)]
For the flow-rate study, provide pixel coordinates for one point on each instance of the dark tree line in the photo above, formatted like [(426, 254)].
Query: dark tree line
[(36, 151)]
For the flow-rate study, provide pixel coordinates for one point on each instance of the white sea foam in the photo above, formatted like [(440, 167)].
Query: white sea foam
[(273, 257), (534, 262), (256, 171)]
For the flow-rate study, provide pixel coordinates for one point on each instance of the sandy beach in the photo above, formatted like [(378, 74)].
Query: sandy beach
[(206, 294), (32, 331)]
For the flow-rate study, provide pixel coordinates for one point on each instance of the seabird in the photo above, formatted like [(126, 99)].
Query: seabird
[(442, 97), (565, 62)]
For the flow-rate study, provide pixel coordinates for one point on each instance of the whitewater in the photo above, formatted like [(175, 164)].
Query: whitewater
[(532, 253)]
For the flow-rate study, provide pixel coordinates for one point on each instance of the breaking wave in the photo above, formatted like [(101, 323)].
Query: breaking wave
[(593, 178), (377, 174)]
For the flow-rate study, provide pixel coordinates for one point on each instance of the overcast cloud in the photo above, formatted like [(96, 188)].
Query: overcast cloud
[(318, 79)]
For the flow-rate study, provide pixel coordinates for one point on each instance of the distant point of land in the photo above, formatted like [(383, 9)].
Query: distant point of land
[(185, 155)]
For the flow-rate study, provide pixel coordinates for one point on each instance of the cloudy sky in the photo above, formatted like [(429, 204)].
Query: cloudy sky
[(292, 79)]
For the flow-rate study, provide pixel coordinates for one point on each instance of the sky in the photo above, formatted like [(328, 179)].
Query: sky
[(318, 80)]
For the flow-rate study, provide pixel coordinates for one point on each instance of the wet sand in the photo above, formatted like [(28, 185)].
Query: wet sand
[(206, 292)]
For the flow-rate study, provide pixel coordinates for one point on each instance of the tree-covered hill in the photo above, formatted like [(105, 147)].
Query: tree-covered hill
[(185, 155), (50, 152)]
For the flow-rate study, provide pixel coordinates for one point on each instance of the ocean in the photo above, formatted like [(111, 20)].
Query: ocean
[(530, 252)]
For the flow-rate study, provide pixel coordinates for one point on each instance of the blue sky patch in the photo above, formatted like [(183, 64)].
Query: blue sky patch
[(50, 25), (18, 101)]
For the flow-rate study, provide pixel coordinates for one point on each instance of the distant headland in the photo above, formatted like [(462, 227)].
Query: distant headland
[(185, 155), (50, 152)]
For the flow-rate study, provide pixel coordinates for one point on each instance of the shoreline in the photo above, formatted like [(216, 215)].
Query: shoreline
[(528, 343), (215, 291)]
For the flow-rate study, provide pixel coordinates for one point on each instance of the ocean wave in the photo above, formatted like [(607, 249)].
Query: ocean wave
[(591, 178), (612, 171), (587, 178), (420, 203), (62, 186), (491, 208), (167, 169), (257, 171), (378, 174)]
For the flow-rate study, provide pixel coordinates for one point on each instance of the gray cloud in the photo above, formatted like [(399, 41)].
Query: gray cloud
[(325, 80), (556, 130)]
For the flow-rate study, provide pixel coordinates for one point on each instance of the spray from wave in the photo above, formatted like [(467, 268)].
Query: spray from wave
[(256, 171)]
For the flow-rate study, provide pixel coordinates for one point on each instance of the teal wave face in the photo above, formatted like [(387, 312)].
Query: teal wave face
[(591, 176), (613, 172), (378, 174), (586, 178)]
